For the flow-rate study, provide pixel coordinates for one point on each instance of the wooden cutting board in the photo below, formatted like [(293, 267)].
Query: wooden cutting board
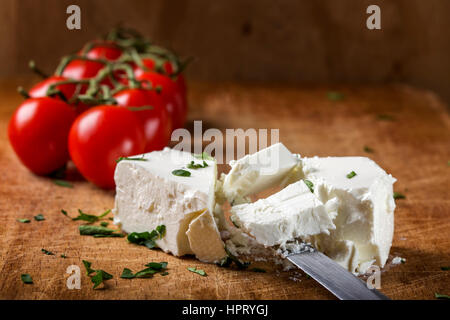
[(413, 146)]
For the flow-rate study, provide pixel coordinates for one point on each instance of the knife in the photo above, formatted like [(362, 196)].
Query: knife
[(340, 282)]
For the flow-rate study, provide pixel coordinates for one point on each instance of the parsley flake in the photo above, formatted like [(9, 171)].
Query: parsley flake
[(368, 149), (130, 159), (445, 268), (309, 184), (335, 96), (197, 271), (47, 252), (90, 217), (62, 183), (193, 165), (147, 238), (98, 231), (26, 278), (23, 220), (203, 156), (181, 173), (351, 174), (441, 296), (99, 277), (39, 217), (398, 195), (152, 268)]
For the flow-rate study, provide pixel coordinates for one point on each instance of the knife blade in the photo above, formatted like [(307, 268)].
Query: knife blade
[(336, 279)]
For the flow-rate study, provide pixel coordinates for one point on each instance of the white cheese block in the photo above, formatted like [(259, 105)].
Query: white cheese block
[(204, 238), (259, 171), (294, 212), (365, 219), (148, 195)]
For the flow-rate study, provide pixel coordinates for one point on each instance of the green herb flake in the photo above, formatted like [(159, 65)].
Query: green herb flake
[(104, 224), (351, 174), (127, 274), (441, 296), (203, 156), (130, 159), (26, 278), (194, 166), (87, 266), (62, 183), (165, 273), (398, 195), (197, 271), (181, 173), (89, 230), (63, 256), (445, 268), (147, 238), (99, 277), (39, 217), (309, 184), (23, 220), (258, 270), (368, 149), (111, 235), (335, 96), (90, 217), (64, 212), (47, 252)]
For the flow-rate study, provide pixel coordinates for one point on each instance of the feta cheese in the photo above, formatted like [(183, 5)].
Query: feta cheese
[(148, 195), (204, 238), (292, 213), (256, 172), (365, 219)]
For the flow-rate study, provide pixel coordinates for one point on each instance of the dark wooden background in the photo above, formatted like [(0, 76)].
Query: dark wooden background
[(314, 41)]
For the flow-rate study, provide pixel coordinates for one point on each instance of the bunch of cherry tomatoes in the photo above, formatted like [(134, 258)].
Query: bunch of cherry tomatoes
[(117, 97)]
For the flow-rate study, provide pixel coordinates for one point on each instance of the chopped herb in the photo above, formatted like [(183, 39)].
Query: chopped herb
[(90, 217), (24, 220), (335, 96), (152, 268), (445, 268), (309, 184), (147, 238), (193, 165), (62, 183), (165, 273), (47, 252), (87, 265), (398, 195), (225, 262), (368, 149), (111, 218), (181, 173), (99, 232), (39, 217), (441, 296), (198, 271), (26, 278), (111, 235), (258, 270), (104, 224), (63, 256), (127, 274), (351, 174), (130, 159), (64, 212), (203, 156), (99, 277), (385, 117), (307, 276)]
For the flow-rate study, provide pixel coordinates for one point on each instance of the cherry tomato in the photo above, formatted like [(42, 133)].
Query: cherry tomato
[(150, 64), (82, 69), (171, 93), (100, 136), (156, 122), (38, 132), (40, 89), (104, 50)]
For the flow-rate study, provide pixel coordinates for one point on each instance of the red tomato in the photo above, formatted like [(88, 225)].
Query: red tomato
[(82, 69), (104, 50), (171, 93), (40, 89), (156, 122), (38, 132), (100, 136), (150, 64)]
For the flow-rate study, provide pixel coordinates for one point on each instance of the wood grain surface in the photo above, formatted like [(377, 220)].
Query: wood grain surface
[(414, 147)]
